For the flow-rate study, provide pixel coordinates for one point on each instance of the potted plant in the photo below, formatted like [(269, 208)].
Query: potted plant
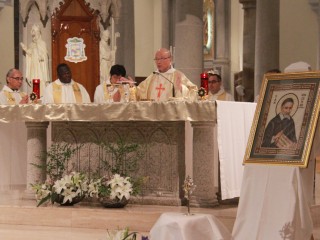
[(62, 186), (119, 183)]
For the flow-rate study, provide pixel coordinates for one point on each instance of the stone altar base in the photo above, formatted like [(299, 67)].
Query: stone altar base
[(162, 144)]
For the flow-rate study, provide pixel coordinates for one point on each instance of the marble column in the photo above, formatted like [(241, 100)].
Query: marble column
[(125, 53), (267, 40), (249, 33), (204, 194), (314, 4), (188, 35), (36, 143), (221, 60)]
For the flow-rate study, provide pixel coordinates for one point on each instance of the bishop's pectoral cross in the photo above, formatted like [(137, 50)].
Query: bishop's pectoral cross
[(160, 89)]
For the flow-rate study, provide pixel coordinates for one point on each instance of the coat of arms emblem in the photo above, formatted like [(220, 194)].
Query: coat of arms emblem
[(75, 50)]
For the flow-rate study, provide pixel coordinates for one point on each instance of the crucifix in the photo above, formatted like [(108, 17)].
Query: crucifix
[(160, 88)]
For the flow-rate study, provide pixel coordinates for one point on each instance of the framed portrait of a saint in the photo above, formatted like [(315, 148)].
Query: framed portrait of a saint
[(285, 120)]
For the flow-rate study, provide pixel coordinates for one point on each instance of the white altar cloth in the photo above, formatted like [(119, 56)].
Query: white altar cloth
[(233, 125), (274, 200), (131, 111), (274, 204), (178, 226)]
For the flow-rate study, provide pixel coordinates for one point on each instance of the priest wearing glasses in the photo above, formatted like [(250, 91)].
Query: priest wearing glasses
[(10, 93), (166, 82), (215, 88)]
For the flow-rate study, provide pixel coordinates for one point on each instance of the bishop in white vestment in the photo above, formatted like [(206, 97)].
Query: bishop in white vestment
[(166, 82)]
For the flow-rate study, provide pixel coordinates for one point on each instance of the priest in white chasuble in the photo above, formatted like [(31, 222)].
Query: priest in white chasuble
[(111, 90), (10, 93), (216, 90), (65, 89), (166, 82)]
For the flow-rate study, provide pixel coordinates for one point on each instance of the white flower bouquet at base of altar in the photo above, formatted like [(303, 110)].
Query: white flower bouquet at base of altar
[(68, 190), (115, 190)]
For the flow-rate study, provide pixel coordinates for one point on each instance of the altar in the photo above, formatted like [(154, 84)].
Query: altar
[(177, 136)]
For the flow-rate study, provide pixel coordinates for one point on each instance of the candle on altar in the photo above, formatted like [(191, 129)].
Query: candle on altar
[(204, 81), (36, 87)]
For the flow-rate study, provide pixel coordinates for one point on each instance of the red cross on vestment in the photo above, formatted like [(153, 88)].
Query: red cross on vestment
[(160, 88)]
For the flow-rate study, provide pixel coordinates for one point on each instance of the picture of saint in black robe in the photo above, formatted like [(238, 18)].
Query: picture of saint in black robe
[(280, 131)]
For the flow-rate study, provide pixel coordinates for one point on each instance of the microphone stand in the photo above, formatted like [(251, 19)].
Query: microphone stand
[(173, 90)]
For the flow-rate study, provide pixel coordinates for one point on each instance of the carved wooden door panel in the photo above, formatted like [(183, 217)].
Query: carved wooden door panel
[(73, 23)]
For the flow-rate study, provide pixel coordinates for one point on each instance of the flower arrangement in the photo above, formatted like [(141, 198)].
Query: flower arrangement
[(62, 186), (124, 234), (117, 187), (68, 190), (119, 184)]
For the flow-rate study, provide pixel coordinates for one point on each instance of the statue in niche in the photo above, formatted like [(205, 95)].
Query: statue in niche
[(107, 54), (37, 59)]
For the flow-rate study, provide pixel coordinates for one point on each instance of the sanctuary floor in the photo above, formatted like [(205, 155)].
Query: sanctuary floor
[(21, 219)]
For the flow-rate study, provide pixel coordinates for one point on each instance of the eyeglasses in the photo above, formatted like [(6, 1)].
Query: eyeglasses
[(213, 81), (160, 59), (17, 78)]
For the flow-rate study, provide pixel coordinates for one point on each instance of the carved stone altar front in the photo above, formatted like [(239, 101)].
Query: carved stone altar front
[(173, 147), (163, 161)]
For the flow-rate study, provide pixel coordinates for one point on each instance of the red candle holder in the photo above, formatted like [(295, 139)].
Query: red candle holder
[(204, 81), (36, 87)]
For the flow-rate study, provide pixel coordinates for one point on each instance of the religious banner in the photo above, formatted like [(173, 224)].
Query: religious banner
[(285, 120), (75, 50)]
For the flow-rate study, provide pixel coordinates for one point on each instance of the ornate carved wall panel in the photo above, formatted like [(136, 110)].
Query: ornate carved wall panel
[(76, 19), (162, 144)]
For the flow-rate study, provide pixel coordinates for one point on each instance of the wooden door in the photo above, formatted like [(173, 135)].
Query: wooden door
[(75, 19)]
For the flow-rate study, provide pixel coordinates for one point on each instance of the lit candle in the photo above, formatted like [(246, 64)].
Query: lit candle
[(36, 87), (204, 81)]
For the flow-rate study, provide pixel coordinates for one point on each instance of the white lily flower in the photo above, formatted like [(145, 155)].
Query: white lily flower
[(59, 186), (68, 195)]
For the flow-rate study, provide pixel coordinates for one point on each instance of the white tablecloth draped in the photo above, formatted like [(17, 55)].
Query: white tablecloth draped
[(274, 200), (178, 226), (233, 125), (274, 204)]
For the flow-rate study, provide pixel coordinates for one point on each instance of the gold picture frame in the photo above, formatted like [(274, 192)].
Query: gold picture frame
[(285, 120)]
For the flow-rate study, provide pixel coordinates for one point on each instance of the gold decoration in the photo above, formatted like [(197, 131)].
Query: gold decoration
[(202, 93), (33, 96), (188, 188)]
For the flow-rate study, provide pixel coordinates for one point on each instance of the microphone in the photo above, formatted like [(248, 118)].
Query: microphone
[(160, 74)]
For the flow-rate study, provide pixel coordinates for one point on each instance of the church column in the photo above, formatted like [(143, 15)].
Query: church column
[(315, 7), (249, 33), (125, 52), (204, 194), (36, 145), (221, 60), (188, 35), (267, 39)]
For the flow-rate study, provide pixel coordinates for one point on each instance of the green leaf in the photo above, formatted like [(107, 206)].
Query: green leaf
[(43, 200)]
